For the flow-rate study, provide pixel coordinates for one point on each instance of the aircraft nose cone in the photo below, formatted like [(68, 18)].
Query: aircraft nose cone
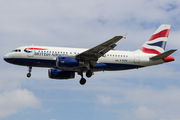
[(6, 57)]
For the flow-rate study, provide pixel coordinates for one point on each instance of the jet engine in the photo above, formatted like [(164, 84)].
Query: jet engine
[(60, 74), (68, 62)]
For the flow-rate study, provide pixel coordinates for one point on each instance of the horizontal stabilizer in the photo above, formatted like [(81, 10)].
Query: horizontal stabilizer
[(163, 55)]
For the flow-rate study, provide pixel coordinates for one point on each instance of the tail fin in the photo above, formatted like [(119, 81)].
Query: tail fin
[(157, 42)]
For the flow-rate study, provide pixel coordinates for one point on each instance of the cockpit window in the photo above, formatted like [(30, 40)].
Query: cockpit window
[(16, 50)]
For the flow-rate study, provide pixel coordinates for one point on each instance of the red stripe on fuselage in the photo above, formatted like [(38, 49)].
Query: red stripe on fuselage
[(149, 51), (35, 49), (163, 33)]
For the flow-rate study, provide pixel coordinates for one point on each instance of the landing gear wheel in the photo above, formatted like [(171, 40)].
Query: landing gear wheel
[(89, 74), (82, 81), (30, 69), (29, 75)]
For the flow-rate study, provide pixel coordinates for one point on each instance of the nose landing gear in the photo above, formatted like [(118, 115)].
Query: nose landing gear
[(29, 74)]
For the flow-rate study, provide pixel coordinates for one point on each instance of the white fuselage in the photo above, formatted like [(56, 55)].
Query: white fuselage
[(43, 56)]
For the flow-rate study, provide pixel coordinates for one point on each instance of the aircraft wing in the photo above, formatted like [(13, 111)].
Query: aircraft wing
[(91, 56)]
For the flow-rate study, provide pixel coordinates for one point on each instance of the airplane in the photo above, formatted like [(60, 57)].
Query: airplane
[(64, 62)]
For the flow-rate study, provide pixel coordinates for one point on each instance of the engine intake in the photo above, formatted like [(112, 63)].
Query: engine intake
[(60, 74), (68, 62)]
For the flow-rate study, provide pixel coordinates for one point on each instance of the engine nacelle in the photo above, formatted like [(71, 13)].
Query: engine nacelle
[(60, 74), (68, 62)]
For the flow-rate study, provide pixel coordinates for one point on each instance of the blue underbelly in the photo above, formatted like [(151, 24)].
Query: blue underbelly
[(52, 64)]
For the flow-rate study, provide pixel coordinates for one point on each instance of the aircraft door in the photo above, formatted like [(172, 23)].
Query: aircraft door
[(30, 51), (136, 57)]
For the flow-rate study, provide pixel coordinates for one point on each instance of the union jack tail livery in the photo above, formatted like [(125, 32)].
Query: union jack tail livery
[(157, 42)]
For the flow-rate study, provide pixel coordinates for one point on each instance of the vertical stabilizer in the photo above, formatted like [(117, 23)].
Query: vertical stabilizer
[(157, 42)]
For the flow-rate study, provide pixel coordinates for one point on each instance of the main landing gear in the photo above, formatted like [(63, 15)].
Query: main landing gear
[(29, 74), (89, 73), (83, 80)]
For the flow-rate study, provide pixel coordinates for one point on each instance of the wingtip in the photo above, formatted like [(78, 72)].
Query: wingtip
[(124, 35)]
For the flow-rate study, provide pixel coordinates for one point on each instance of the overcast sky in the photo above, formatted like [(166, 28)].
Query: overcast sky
[(151, 93)]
